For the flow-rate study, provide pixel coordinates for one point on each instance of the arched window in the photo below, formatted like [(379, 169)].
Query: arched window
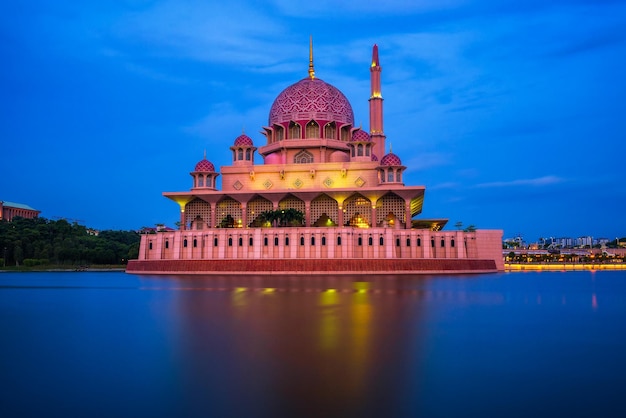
[(294, 131), (276, 241), (279, 133), (248, 155), (265, 241), (323, 240), (240, 242), (452, 243), (312, 240), (338, 240), (312, 130), (195, 243), (303, 157), (345, 133), (390, 176), (301, 240), (167, 244), (286, 241), (330, 131), (185, 243), (419, 242), (370, 241), (250, 241), (230, 242), (359, 150), (381, 241), (240, 154), (201, 181)]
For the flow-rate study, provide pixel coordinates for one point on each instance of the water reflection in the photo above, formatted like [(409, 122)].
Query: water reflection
[(544, 344)]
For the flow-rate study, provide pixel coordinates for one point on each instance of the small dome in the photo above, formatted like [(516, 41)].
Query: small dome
[(205, 166), (390, 159), (339, 157), (243, 140), (361, 136), (374, 158), (273, 158)]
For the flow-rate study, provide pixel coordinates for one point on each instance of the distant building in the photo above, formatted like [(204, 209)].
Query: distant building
[(9, 210)]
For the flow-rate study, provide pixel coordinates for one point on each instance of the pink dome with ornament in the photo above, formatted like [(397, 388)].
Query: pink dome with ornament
[(361, 136), (243, 140), (311, 98), (205, 166), (390, 159)]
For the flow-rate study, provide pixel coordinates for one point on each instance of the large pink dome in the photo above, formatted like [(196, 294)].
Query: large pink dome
[(205, 166), (311, 99)]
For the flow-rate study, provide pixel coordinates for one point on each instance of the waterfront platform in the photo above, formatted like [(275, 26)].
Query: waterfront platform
[(563, 266), (313, 267)]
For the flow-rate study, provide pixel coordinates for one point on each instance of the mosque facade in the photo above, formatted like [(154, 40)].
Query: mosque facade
[(327, 199)]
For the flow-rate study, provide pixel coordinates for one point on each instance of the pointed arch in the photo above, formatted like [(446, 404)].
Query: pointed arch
[(312, 130), (295, 130), (303, 157)]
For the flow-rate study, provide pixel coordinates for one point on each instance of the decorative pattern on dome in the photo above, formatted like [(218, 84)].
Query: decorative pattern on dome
[(311, 96), (205, 166), (361, 136), (243, 140), (374, 158), (390, 159)]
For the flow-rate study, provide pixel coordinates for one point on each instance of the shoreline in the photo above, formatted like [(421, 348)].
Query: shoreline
[(512, 267)]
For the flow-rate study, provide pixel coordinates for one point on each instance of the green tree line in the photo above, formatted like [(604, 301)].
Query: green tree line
[(41, 241)]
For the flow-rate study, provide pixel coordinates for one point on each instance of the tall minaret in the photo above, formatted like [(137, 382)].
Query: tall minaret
[(376, 106)]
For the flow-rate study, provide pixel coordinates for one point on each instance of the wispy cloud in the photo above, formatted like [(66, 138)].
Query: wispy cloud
[(536, 182)]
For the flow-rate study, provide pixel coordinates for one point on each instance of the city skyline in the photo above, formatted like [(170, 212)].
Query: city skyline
[(509, 114)]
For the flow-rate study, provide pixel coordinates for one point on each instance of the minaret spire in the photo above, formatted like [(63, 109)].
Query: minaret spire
[(311, 69), (376, 106)]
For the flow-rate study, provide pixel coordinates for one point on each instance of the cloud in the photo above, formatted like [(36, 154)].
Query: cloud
[(536, 182)]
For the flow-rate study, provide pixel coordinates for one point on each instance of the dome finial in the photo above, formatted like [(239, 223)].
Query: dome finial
[(311, 69), (205, 154), (390, 150)]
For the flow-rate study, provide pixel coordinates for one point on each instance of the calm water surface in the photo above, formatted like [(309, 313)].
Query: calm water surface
[(505, 345)]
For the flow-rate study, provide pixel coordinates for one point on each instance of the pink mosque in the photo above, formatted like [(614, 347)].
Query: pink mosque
[(327, 199)]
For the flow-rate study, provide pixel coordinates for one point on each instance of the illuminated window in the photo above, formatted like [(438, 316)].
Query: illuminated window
[(330, 131), (312, 130), (303, 157), (294, 131)]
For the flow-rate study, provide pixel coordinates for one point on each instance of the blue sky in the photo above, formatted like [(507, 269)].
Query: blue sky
[(510, 113)]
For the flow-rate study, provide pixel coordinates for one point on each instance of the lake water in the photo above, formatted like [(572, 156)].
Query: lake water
[(86, 344)]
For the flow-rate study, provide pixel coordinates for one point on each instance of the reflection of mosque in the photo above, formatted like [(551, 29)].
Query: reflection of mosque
[(299, 348), (322, 193)]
